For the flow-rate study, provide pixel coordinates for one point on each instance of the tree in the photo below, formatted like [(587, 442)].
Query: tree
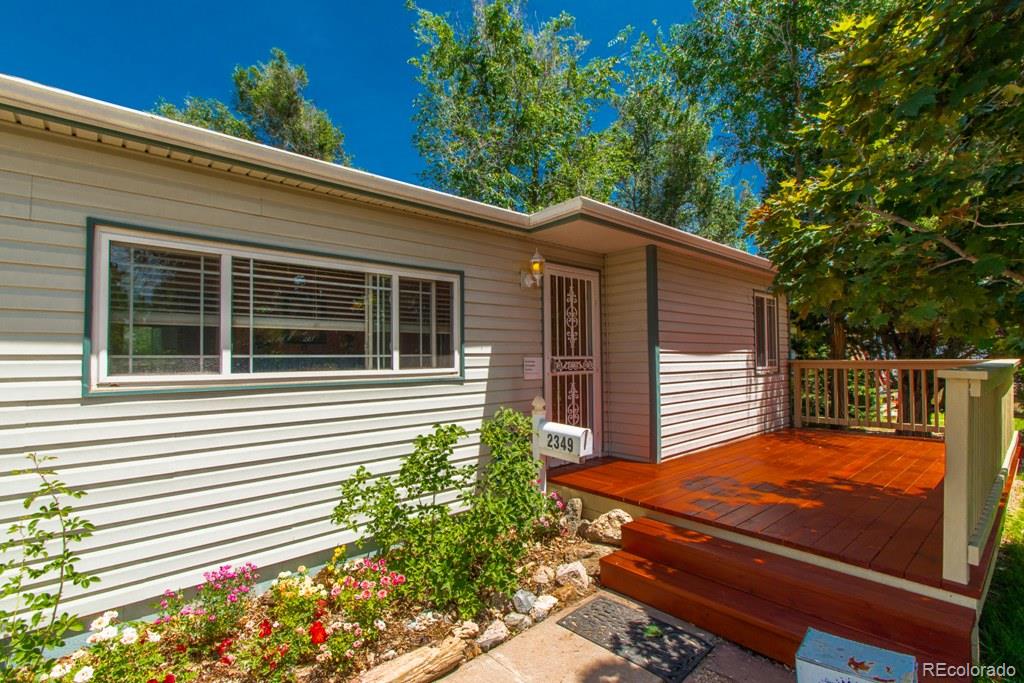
[(667, 171), (915, 220), (756, 64), (506, 111), (269, 107)]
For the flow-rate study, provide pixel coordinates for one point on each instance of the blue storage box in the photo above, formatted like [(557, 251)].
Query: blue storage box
[(825, 658)]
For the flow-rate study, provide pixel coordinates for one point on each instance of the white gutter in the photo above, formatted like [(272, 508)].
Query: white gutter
[(33, 99)]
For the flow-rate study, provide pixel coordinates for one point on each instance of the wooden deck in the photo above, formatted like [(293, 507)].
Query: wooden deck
[(870, 501)]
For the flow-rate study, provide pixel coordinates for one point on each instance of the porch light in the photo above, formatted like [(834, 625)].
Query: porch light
[(536, 273)]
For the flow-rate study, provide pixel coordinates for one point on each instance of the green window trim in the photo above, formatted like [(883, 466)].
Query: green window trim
[(101, 230)]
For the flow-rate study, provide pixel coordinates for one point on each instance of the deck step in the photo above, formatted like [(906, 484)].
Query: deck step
[(755, 623), (845, 601)]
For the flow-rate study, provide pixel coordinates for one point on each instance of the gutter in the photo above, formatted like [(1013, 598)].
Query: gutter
[(26, 98)]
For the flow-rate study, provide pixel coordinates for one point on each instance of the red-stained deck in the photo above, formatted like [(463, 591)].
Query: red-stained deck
[(870, 501)]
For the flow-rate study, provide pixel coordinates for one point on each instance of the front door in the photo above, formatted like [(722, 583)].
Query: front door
[(572, 348)]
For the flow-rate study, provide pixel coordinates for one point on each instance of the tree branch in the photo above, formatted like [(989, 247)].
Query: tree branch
[(941, 239)]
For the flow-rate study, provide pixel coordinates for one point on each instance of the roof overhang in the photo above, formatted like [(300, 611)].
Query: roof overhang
[(580, 223)]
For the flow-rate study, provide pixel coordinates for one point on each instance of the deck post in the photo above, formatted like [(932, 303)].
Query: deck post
[(955, 532), (795, 389)]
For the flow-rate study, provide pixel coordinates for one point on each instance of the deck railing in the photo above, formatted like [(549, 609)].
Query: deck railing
[(903, 396), (980, 443)]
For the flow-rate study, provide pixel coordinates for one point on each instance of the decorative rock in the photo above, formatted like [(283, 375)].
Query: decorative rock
[(517, 621), (422, 621), (495, 633), (543, 576), (592, 565), (388, 655), (523, 601), (467, 630), (608, 527), (564, 593), (581, 530), (574, 574), (543, 606), (569, 522)]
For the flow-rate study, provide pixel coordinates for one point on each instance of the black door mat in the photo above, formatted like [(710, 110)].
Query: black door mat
[(663, 649)]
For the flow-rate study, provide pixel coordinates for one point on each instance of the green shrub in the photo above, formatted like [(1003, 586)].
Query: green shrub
[(455, 561), (38, 549)]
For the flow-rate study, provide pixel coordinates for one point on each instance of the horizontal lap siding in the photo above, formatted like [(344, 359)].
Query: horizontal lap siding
[(181, 482), (626, 388), (710, 391)]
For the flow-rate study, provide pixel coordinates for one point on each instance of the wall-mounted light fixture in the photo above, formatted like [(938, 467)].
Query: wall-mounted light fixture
[(533, 277)]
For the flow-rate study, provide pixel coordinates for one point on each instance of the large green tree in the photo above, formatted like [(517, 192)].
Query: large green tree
[(506, 111), (667, 170), (914, 220), (756, 65), (269, 107)]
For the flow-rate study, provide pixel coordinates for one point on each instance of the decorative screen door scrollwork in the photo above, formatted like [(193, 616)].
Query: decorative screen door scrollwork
[(572, 348)]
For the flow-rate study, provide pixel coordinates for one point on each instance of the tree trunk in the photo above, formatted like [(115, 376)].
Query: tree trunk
[(422, 665)]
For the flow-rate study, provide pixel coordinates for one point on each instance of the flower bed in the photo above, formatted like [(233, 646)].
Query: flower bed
[(344, 620), (506, 557)]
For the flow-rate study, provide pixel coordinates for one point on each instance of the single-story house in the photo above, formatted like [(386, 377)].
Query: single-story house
[(210, 334)]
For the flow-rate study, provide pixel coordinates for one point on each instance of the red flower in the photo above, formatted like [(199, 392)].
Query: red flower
[(317, 633), (265, 628), (180, 647), (170, 678), (223, 648)]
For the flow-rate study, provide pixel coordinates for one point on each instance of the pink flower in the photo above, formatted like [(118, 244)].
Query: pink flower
[(399, 580), (382, 594), (366, 594), (335, 591)]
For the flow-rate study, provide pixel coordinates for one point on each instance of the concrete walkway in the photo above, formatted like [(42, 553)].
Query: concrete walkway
[(548, 653)]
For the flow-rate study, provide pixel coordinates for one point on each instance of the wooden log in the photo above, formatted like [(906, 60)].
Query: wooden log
[(422, 665)]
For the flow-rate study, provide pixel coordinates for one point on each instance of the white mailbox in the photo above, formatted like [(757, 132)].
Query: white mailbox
[(564, 442)]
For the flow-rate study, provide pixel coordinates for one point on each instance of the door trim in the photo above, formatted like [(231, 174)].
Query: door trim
[(595, 277)]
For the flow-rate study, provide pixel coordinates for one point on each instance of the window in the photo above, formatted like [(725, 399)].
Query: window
[(766, 332), (177, 309)]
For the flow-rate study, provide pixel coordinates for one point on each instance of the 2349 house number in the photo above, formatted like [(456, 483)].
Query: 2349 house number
[(560, 442)]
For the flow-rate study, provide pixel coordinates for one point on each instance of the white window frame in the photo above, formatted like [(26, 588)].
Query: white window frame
[(770, 365), (103, 237)]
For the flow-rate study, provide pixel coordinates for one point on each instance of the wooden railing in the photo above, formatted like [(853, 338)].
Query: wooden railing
[(980, 444), (894, 395)]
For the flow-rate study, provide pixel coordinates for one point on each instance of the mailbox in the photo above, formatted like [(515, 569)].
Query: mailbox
[(564, 442)]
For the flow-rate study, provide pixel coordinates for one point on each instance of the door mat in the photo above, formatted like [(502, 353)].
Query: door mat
[(663, 649)]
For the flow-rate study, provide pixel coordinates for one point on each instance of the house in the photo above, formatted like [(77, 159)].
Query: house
[(210, 334)]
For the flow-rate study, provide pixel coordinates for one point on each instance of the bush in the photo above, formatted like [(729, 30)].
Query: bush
[(328, 620), (460, 560), (126, 653), (38, 548), (213, 614)]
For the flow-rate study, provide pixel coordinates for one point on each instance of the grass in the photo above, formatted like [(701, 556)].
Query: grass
[(1002, 621)]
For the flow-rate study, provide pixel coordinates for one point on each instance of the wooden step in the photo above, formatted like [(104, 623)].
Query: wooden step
[(890, 613), (753, 622)]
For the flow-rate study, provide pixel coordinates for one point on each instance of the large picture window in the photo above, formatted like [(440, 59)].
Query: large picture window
[(178, 309), (766, 332)]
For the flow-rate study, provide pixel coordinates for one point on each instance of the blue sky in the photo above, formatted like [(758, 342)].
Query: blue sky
[(356, 53)]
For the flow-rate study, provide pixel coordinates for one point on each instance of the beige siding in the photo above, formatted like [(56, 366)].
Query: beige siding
[(626, 386), (181, 482), (710, 392)]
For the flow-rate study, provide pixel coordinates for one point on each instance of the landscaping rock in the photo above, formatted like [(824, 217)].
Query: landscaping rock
[(518, 622), (574, 574), (564, 593), (495, 634), (543, 576), (467, 630), (581, 530), (608, 527), (571, 517), (523, 601), (422, 621), (543, 606), (592, 565), (388, 655)]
